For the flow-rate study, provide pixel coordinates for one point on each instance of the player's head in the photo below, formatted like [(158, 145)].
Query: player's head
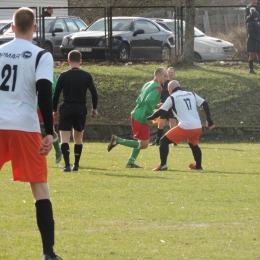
[(24, 21), (49, 9), (74, 57), (171, 73), (160, 75), (173, 86)]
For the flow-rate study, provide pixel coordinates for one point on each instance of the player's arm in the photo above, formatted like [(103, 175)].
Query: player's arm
[(44, 90), (150, 100), (94, 95), (165, 107), (209, 121)]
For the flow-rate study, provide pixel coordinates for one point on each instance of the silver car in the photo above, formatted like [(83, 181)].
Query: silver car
[(55, 29), (206, 48)]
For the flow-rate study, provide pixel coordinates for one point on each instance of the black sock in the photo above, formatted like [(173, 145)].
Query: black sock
[(164, 150), (45, 222), (159, 133), (65, 148), (197, 155), (77, 153)]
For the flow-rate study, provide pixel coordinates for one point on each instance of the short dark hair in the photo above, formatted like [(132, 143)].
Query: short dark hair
[(74, 56), (24, 19)]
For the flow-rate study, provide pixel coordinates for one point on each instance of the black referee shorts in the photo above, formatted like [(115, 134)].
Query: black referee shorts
[(72, 116), (167, 115)]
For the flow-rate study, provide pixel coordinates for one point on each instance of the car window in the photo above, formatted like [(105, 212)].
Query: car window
[(60, 24), (117, 25), (71, 25), (164, 26), (147, 26), (80, 24)]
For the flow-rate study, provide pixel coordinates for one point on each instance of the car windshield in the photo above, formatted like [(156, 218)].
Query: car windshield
[(197, 32), (3, 24), (117, 25)]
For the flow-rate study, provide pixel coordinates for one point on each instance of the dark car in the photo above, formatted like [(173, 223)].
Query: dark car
[(5, 25), (132, 38), (55, 29)]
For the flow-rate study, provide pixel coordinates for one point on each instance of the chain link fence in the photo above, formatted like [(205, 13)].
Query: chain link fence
[(220, 32)]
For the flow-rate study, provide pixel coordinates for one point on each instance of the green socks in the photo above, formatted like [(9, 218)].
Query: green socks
[(133, 156), (56, 145), (128, 143)]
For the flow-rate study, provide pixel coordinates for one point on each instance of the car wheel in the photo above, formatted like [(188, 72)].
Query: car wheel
[(197, 57), (166, 53), (48, 47), (124, 52)]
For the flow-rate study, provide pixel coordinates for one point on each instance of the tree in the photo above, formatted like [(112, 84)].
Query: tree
[(188, 48)]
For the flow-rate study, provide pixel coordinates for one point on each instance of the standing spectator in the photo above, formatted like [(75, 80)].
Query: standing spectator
[(256, 5), (56, 142), (27, 70), (184, 105), (48, 12), (253, 40), (74, 83), (167, 115), (145, 104)]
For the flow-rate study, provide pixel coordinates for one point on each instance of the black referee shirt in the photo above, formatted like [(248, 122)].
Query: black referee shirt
[(165, 93), (74, 83)]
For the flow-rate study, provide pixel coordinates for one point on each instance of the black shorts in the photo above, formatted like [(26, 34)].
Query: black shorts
[(72, 116), (167, 115)]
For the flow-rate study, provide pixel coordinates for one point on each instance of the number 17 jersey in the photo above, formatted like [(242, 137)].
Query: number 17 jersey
[(18, 77), (185, 108)]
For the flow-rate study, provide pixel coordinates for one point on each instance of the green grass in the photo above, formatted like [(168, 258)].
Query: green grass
[(233, 93), (105, 211)]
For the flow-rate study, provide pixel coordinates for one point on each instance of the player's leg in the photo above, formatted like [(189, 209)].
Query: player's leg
[(161, 124), (65, 148), (172, 121), (193, 141), (56, 145), (33, 169), (78, 145), (67, 113), (174, 135), (252, 56)]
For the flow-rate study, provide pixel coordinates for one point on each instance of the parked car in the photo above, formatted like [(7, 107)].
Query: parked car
[(55, 29), (206, 48), (5, 25), (132, 38)]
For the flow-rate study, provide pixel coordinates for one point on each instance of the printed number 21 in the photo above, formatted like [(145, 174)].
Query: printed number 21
[(6, 74), (188, 104)]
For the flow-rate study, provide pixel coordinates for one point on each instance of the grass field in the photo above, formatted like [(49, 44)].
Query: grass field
[(105, 211)]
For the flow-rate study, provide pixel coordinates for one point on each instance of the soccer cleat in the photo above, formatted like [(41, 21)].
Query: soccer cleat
[(47, 257), (193, 166), (155, 142), (75, 168), (161, 168), (113, 143), (58, 157), (174, 144), (132, 165), (66, 169)]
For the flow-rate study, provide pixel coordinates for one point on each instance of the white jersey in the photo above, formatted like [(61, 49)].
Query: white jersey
[(185, 108), (18, 77)]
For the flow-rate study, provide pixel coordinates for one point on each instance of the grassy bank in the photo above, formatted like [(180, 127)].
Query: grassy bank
[(232, 92)]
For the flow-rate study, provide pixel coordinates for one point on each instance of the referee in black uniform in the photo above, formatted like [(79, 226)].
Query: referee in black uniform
[(74, 83), (167, 115)]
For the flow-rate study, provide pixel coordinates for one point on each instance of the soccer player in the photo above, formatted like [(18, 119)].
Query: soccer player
[(56, 142), (146, 102), (184, 105), (167, 115), (74, 83), (27, 70)]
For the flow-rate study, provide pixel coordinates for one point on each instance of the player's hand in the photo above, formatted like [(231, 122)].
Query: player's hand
[(55, 114), (94, 112), (211, 126), (159, 105), (46, 145)]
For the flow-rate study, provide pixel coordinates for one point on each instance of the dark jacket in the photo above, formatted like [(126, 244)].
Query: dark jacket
[(253, 40), (46, 14), (257, 8)]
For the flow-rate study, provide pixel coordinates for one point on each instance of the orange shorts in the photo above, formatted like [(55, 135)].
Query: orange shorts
[(140, 131), (22, 148), (41, 119), (177, 135)]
